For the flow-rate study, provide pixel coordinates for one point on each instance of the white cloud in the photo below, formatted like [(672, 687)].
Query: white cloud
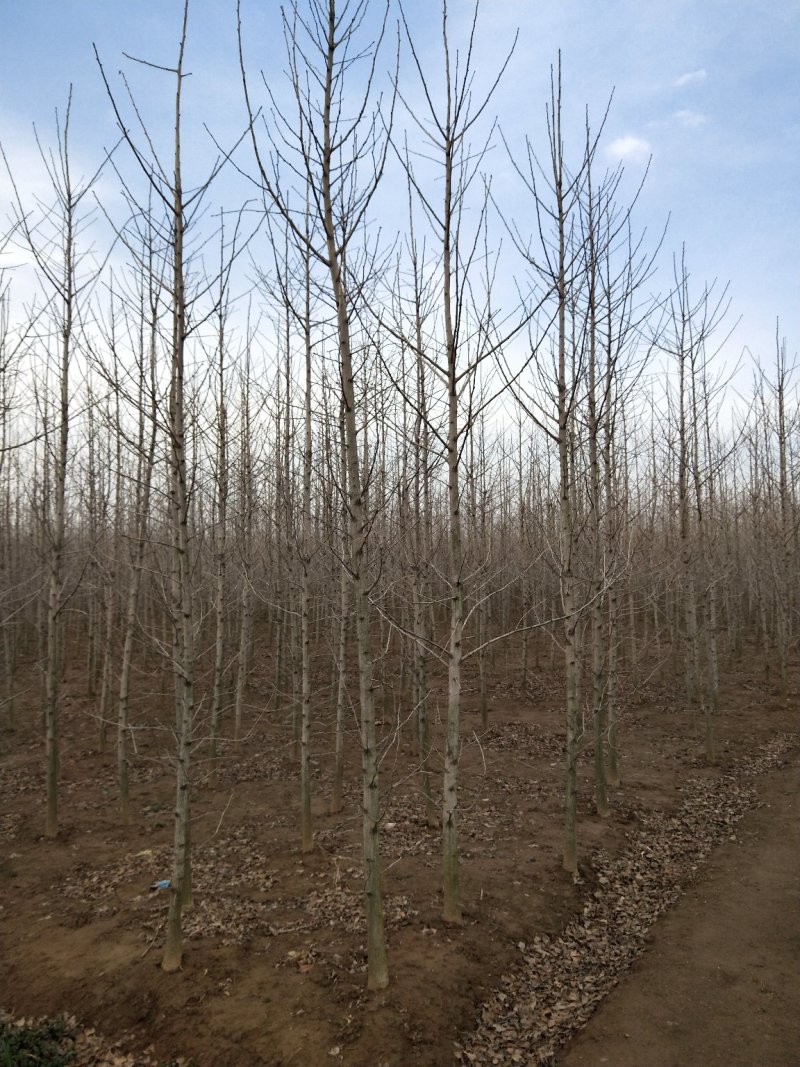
[(690, 119), (690, 78), (630, 149)]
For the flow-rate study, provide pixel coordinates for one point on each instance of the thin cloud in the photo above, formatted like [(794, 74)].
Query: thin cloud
[(690, 78), (690, 119), (629, 149)]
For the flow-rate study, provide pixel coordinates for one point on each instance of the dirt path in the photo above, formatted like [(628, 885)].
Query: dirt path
[(720, 985)]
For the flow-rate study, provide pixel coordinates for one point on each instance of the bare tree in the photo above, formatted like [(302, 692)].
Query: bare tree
[(445, 129), (180, 206), (53, 242), (691, 322), (558, 265), (329, 152)]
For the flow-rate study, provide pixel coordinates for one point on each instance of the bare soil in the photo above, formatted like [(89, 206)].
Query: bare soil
[(274, 970)]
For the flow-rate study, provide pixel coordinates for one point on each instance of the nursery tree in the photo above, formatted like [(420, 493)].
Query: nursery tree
[(51, 234), (445, 123), (340, 161), (166, 185)]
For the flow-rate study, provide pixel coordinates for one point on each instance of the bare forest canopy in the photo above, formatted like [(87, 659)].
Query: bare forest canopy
[(371, 420)]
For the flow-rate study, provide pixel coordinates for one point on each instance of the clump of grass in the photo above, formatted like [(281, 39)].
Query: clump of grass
[(48, 1043)]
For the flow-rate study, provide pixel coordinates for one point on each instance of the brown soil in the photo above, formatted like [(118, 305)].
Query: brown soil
[(274, 964)]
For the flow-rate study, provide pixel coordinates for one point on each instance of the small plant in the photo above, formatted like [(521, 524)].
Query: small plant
[(44, 1044)]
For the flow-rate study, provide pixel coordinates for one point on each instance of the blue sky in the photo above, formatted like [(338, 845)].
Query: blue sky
[(708, 88)]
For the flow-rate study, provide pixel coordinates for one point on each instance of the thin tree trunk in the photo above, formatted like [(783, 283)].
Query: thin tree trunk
[(377, 966), (307, 834), (344, 608)]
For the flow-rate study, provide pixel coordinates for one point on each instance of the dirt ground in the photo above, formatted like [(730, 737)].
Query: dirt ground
[(274, 965)]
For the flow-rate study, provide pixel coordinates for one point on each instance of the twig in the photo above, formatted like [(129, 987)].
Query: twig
[(219, 824), (152, 941), (480, 746)]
